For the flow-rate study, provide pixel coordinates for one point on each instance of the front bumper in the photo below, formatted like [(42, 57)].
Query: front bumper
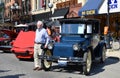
[(25, 55), (5, 48), (68, 60), (22, 53)]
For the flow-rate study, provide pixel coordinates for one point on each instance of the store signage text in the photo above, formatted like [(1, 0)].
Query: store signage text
[(88, 12), (113, 4)]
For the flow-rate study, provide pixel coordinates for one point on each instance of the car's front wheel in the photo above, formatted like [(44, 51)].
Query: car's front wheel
[(44, 62), (88, 62)]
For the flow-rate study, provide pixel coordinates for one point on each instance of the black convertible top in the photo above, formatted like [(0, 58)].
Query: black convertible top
[(80, 20)]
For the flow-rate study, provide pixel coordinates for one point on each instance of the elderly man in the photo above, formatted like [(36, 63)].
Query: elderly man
[(41, 37)]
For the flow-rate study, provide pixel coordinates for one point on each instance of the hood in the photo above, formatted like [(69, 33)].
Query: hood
[(63, 49), (24, 39), (10, 33), (72, 40)]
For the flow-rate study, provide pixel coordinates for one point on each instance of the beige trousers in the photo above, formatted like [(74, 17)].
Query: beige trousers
[(37, 52)]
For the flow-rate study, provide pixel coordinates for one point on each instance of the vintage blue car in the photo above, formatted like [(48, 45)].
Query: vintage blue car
[(80, 44)]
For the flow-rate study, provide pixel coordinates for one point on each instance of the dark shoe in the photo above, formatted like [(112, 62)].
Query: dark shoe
[(36, 68), (39, 68)]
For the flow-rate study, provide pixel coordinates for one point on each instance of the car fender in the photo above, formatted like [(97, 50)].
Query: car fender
[(101, 45)]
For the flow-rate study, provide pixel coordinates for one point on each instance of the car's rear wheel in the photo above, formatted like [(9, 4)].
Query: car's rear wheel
[(44, 62), (88, 62), (103, 55)]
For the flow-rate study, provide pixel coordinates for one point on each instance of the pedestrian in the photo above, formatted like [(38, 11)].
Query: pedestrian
[(41, 37), (55, 34), (48, 30)]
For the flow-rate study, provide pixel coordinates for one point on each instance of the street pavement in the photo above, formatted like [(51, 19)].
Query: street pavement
[(11, 67)]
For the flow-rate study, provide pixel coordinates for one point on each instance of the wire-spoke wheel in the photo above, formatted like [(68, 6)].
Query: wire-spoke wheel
[(44, 62), (88, 62)]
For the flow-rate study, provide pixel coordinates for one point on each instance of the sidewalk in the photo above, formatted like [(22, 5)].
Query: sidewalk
[(113, 53)]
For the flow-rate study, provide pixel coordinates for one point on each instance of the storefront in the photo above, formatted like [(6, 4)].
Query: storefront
[(114, 14), (99, 9), (90, 8)]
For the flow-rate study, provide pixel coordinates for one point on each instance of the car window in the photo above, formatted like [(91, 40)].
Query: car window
[(81, 28), (73, 28), (89, 29)]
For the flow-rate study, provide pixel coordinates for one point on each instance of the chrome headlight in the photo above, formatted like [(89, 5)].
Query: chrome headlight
[(76, 47), (50, 46)]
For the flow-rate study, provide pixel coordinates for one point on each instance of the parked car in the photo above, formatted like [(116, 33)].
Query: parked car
[(80, 44), (23, 45), (6, 36), (19, 27)]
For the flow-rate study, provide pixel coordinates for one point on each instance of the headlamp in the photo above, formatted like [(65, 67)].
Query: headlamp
[(76, 47), (50, 46)]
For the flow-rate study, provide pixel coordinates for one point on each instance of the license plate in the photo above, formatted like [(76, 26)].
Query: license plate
[(62, 58), (62, 63)]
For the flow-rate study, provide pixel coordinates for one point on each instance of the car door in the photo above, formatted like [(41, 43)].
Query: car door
[(95, 36)]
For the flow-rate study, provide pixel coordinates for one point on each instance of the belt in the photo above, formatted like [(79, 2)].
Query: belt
[(38, 43)]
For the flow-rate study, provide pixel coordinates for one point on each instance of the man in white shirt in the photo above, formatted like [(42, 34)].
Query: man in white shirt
[(41, 37)]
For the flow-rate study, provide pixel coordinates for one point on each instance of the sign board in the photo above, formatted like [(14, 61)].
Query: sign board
[(114, 6), (88, 12)]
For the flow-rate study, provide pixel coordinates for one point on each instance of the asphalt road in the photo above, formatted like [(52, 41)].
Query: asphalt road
[(11, 67)]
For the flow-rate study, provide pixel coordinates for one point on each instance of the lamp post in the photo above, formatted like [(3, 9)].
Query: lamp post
[(108, 24), (14, 11), (15, 7), (50, 5)]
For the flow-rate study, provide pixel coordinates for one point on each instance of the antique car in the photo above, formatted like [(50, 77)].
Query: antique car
[(23, 45), (80, 44), (6, 37)]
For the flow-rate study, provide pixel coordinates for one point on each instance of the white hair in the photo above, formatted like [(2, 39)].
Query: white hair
[(40, 23)]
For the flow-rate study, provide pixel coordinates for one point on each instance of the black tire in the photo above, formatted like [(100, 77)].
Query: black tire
[(103, 57), (46, 65), (88, 62)]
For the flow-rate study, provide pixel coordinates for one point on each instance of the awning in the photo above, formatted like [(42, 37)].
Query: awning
[(90, 8), (113, 5), (60, 13), (42, 16)]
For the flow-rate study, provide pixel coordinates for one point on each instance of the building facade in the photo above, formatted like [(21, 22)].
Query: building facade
[(17, 11), (1, 11), (48, 8)]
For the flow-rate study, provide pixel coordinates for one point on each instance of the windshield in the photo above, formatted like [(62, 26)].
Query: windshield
[(73, 28)]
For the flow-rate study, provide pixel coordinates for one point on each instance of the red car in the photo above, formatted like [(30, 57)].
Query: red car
[(23, 45), (6, 36)]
